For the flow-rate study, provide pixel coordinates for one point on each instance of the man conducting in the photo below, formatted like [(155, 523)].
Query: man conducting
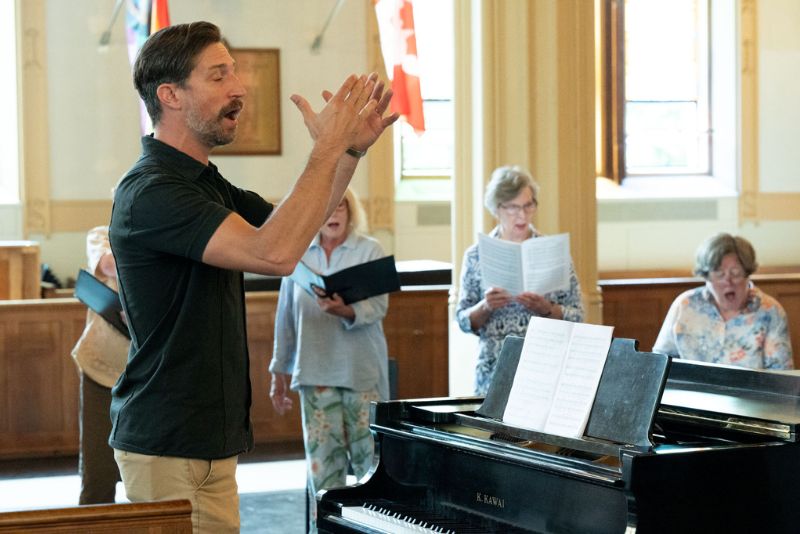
[(182, 235)]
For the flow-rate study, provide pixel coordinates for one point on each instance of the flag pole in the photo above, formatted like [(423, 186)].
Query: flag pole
[(315, 46), (106, 37)]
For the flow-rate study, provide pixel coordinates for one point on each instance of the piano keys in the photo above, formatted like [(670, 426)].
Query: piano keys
[(671, 446)]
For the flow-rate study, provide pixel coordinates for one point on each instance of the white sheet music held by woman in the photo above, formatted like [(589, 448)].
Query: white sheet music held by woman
[(557, 376), (539, 264)]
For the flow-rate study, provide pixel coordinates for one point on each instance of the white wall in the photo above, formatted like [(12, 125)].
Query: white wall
[(94, 128), (779, 105), (422, 230)]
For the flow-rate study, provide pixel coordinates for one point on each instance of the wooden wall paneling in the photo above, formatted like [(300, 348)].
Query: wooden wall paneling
[(5, 420), (636, 308), (40, 398), (416, 334), (637, 311), (268, 426), (39, 386)]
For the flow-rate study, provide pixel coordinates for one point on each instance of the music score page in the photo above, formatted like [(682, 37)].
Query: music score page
[(557, 376), (538, 265)]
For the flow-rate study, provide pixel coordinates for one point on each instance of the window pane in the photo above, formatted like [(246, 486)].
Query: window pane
[(431, 153), (661, 56), (663, 136), (666, 87), (433, 22)]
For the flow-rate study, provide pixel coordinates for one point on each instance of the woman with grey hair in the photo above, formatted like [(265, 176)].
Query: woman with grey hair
[(728, 320), (492, 313)]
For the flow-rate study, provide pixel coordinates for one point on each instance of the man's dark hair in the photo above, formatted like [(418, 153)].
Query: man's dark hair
[(168, 56)]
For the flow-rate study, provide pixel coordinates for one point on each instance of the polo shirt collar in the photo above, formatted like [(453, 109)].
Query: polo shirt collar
[(179, 162)]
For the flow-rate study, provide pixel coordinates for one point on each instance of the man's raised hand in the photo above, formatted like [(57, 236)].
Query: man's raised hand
[(372, 113), (342, 121)]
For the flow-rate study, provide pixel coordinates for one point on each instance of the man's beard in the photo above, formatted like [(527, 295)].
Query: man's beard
[(210, 131)]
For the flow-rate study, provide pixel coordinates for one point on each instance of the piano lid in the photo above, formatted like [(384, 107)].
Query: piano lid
[(734, 398), (638, 389)]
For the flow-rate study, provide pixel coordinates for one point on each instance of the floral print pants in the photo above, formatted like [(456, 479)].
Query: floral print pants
[(336, 435)]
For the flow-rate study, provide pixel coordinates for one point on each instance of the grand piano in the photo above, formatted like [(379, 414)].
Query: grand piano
[(670, 446)]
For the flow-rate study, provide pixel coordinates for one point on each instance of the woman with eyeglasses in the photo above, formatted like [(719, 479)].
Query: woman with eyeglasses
[(728, 320), (492, 313)]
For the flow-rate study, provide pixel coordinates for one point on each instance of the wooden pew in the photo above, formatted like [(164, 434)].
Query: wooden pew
[(636, 303), (39, 382), (163, 517)]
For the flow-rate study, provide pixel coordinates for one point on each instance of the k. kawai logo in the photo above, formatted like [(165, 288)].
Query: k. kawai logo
[(491, 500)]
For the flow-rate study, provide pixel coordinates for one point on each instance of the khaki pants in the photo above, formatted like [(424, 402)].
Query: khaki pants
[(209, 484)]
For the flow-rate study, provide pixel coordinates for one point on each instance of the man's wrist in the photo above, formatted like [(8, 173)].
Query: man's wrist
[(356, 153)]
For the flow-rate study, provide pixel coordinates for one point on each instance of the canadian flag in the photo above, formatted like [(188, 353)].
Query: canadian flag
[(399, 48)]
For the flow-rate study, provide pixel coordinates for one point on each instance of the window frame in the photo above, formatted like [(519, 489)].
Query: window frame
[(611, 160)]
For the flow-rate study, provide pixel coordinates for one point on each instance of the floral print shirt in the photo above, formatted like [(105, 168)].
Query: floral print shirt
[(511, 319), (757, 338)]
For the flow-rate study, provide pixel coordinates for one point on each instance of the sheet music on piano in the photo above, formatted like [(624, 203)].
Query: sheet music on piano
[(557, 376)]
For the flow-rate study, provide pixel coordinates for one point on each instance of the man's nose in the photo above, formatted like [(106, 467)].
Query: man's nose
[(238, 89)]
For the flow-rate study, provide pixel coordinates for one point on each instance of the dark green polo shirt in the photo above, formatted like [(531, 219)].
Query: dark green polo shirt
[(186, 389)]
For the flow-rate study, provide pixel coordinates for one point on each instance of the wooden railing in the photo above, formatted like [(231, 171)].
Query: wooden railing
[(164, 517), (637, 306), (39, 383)]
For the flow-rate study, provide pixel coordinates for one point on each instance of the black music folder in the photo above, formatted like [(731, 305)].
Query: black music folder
[(101, 299), (354, 283)]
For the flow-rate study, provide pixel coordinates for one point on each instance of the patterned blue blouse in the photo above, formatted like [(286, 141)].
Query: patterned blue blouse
[(511, 319), (757, 338)]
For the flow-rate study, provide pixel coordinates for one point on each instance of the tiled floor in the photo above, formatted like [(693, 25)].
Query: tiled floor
[(58, 485)]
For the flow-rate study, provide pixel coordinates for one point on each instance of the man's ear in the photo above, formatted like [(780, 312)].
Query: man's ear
[(168, 95)]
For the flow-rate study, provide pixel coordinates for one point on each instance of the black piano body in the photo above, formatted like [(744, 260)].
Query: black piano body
[(671, 446)]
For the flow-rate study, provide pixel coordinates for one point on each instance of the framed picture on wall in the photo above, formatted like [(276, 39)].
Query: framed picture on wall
[(259, 130)]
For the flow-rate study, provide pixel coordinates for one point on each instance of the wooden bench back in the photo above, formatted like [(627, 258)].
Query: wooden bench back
[(163, 517)]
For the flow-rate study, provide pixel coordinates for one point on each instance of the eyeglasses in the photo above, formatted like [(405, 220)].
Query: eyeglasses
[(516, 209), (736, 275)]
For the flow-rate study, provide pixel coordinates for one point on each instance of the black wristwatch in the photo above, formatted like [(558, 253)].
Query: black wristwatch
[(356, 153)]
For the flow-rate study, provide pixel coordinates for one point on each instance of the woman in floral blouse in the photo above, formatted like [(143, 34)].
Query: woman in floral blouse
[(493, 313), (728, 320)]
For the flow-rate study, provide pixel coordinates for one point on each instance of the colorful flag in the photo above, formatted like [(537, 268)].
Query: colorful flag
[(399, 48), (143, 18)]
